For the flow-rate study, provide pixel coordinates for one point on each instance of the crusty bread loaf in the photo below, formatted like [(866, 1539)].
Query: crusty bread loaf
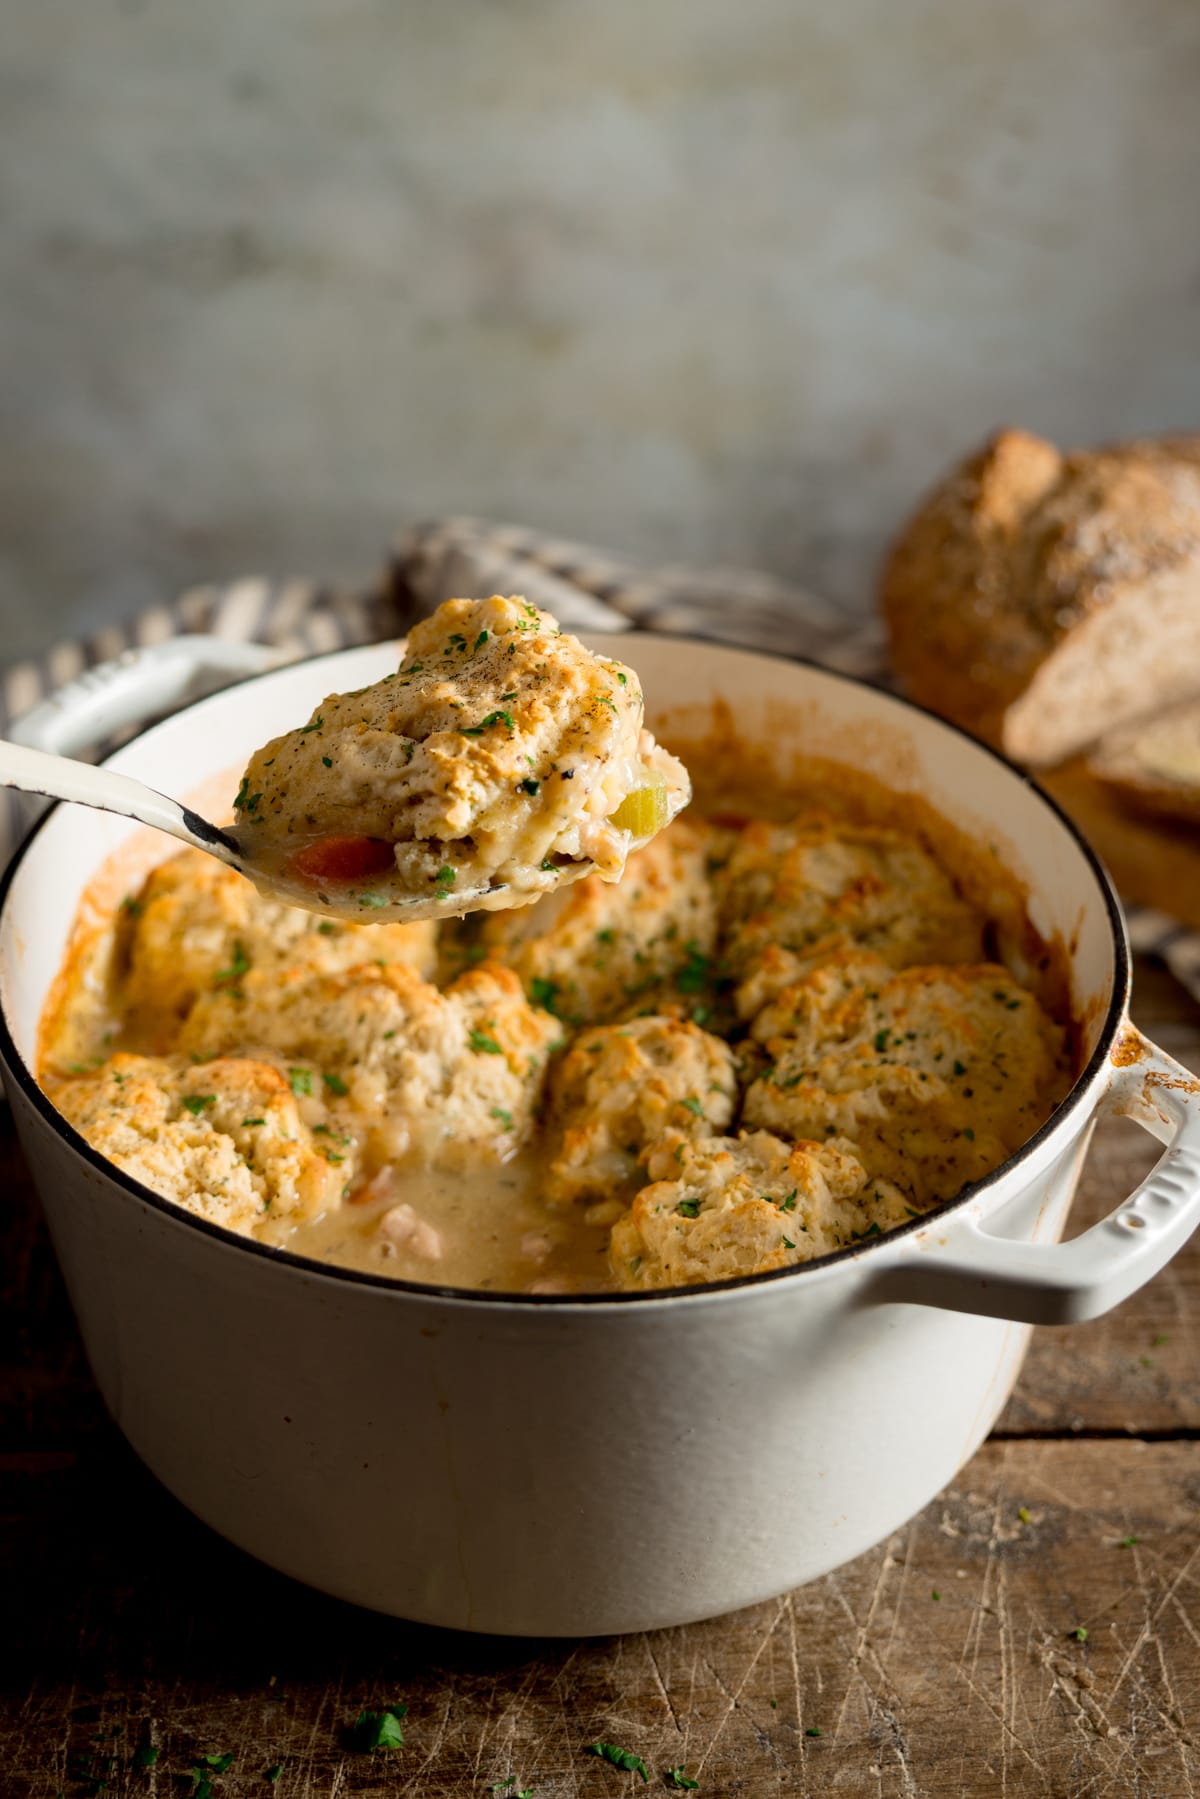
[(1040, 599), (1154, 766)]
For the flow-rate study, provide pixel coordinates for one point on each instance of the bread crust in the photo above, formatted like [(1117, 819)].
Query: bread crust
[(1014, 596)]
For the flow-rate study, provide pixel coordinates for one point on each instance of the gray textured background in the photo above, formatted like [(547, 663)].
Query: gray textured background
[(698, 278)]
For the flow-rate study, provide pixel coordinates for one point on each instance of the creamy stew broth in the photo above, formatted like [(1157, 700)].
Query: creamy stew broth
[(788, 1028)]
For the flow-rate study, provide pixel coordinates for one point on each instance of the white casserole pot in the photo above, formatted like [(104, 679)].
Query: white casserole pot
[(574, 1466)]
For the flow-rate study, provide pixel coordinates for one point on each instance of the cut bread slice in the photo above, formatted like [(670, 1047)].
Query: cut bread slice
[(1154, 766), (1039, 599)]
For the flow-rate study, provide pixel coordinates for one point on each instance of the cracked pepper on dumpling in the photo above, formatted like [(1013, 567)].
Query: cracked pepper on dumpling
[(196, 926), (500, 752), (438, 1077), (224, 1139), (718, 1208), (619, 1089), (598, 949), (792, 894), (937, 1074)]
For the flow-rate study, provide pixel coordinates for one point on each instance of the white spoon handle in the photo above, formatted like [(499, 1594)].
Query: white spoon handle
[(36, 771)]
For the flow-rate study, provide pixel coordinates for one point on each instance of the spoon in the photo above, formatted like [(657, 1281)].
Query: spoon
[(60, 778)]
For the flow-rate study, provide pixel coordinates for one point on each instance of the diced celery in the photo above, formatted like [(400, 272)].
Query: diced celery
[(643, 811)]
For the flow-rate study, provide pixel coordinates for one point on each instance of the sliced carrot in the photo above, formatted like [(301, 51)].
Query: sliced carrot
[(342, 859)]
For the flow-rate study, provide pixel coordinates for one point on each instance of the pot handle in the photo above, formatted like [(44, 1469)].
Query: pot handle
[(1066, 1283), (135, 686)]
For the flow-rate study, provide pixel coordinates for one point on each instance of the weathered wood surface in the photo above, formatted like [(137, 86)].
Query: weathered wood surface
[(944, 1663)]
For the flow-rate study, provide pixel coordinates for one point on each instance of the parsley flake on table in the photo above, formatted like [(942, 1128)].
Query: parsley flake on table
[(620, 1758), (379, 1730), (146, 1757), (814, 1730), (679, 1778)]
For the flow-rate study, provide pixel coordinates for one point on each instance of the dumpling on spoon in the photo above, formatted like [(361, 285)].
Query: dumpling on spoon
[(500, 760)]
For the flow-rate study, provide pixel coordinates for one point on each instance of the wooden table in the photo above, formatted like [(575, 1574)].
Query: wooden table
[(1034, 1632)]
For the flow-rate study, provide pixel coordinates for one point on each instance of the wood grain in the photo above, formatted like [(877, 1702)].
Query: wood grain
[(943, 1663)]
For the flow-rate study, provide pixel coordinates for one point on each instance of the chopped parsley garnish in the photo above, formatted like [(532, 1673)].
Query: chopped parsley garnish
[(327, 761), (960, 1068), (300, 1080), (549, 867), (609, 936), (372, 899), (693, 1105), (543, 993), (249, 1123), (693, 976), (316, 724), (335, 1084), (195, 1103), (132, 906), (969, 1134), (688, 1208), (482, 1044), (503, 1117), (678, 1776), (787, 1243), (481, 640), (493, 718), (238, 966), (457, 640), (446, 877), (881, 1041), (872, 1230), (531, 787), (379, 1730), (327, 929), (788, 1204), (620, 1758), (623, 679)]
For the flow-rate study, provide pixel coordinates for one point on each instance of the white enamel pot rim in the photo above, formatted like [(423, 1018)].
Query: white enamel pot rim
[(52, 725)]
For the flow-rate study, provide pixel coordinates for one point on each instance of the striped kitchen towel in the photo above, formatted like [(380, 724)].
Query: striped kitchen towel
[(586, 589)]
